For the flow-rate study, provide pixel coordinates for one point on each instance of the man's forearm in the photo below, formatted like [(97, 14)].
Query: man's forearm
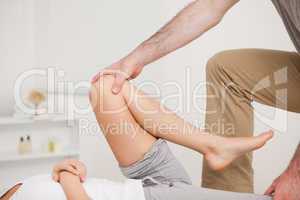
[(72, 187), (194, 20)]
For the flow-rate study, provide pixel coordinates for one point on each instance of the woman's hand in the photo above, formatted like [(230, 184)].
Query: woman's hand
[(72, 166)]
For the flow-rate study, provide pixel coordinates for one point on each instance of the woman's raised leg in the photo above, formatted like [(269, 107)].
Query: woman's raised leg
[(133, 119)]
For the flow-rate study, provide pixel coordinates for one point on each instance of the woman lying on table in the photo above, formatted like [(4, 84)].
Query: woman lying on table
[(143, 154)]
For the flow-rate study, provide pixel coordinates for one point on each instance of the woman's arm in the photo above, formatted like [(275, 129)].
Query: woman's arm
[(10, 192), (70, 174), (72, 186)]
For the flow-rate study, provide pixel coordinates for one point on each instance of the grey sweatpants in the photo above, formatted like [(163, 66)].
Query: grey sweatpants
[(164, 178)]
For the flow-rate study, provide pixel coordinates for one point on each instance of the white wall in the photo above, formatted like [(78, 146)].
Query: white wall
[(17, 49), (81, 37)]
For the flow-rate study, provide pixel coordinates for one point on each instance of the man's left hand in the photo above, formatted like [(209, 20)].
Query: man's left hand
[(286, 186), (122, 72)]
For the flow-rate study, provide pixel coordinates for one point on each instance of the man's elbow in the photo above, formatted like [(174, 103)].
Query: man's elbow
[(217, 13), (216, 18), (213, 18), (217, 9)]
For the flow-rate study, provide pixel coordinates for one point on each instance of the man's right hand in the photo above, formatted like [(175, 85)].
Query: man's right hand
[(287, 185), (122, 72)]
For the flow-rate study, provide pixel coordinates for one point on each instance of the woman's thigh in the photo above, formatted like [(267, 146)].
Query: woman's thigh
[(128, 140)]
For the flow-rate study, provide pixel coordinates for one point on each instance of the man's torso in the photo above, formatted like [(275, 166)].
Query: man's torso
[(290, 13)]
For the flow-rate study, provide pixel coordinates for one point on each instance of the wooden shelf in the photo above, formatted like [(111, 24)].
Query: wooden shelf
[(35, 156), (42, 129)]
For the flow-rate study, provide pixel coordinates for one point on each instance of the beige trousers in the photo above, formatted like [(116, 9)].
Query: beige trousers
[(235, 79)]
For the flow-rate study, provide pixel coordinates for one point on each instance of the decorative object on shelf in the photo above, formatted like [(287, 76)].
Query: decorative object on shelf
[(53, 146), (36, 97), (21, 146), (28, 144), (25, 145)]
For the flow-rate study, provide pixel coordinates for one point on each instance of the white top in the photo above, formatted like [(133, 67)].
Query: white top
[(43, 187)]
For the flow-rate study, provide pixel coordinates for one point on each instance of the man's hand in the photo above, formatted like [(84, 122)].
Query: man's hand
[(286, 186), (71, 165), (121, 72)]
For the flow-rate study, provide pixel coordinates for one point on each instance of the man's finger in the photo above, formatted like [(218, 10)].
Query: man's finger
[(270, 191), (98, 75), (106, 71), (95, 78), (118, 83)]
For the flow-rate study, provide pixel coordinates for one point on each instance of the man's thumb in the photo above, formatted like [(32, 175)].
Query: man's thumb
[(270, 190), (118, 83)]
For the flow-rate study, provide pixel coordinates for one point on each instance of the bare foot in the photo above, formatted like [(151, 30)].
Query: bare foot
[(225, 150)]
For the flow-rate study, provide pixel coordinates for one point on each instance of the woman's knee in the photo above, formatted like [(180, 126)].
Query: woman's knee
[(101, 89)]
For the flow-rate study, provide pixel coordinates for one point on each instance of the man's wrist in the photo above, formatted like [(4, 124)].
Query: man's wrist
[(132, 60), (295, 163), (294, 166)]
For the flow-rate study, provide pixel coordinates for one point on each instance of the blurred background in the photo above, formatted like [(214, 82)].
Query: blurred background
[(76, 39)]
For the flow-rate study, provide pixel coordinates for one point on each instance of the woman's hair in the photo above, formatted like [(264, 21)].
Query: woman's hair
[(10, 192)]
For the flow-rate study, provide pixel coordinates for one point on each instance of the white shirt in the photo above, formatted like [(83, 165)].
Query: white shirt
[(43, 187)]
